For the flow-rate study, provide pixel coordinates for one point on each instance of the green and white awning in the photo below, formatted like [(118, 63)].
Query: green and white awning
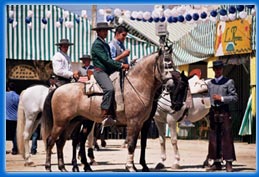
[(37, 42)]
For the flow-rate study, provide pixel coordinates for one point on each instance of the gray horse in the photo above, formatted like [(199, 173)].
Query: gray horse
[(69, 101)]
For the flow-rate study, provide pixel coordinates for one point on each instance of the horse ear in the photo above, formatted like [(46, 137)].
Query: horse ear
[(184, 76)]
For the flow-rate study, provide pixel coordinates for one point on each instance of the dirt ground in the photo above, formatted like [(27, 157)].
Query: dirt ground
[(112, 158)]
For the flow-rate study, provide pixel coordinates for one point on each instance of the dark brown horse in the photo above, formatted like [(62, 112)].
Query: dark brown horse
[(69, 101)]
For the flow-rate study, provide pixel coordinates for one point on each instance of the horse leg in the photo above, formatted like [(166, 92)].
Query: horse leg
[(172, 126), (162, 140), (50, 142), (60, 145), (75, 141), (144, 132), (90, 139), (132, 136), (26, 136), (87, 127), (30, 127)]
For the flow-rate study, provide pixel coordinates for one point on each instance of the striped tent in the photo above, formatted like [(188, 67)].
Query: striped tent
[(193, 42), (36, 41)]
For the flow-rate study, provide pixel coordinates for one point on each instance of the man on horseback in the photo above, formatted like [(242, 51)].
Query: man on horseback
[(118, 51), (61, 64), (104, 66), (87, 69)]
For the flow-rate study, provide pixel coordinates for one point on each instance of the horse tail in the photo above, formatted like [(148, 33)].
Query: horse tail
[(47, 118), (20, 127)]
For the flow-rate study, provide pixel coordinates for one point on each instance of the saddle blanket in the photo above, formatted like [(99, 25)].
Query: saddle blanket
[(92, 87)]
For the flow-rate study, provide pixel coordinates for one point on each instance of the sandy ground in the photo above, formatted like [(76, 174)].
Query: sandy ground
[(112, 158)]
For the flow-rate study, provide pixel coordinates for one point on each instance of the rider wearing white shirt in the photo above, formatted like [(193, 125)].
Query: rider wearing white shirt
[(61, 64)]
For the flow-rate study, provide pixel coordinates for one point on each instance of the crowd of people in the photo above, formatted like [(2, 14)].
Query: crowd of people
[(108, 58)]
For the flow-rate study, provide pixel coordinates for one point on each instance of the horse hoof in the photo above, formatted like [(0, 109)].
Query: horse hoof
[(88, 169), (48, 169), (63, 170), (145, 169), (131, 168), (75, 169), (93, 163), (175, 166), (28, 164), (103, 143), (160, 166)]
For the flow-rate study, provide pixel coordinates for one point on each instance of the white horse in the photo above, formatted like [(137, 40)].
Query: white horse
[(28, 117), (164, 114)]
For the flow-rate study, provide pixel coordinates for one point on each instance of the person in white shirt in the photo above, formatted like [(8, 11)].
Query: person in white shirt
[(61, 64)]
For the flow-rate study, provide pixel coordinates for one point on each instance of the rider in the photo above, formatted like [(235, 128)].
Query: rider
[(61, 64), (87, 69), (118, 51), (104, 66)]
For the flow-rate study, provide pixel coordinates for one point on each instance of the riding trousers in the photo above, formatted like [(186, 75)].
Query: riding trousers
[(105, 83), (221, 143)]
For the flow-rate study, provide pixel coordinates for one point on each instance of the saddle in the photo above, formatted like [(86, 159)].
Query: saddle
[(93, 88), (197, 86)]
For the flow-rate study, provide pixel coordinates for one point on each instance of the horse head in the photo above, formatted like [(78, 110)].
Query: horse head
[(179, 91), (166, 63)]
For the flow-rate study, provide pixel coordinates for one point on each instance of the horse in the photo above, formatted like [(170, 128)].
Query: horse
[(180, 84), (29, 116), (140, 86), (164, 114)]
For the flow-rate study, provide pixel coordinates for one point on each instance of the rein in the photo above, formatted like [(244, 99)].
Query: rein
[(137, 92)]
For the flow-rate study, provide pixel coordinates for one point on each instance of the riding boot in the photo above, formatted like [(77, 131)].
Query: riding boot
[(229, 166), (107, 119), (215, 166)]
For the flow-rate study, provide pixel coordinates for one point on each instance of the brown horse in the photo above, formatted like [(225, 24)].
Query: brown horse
[(70, 101)]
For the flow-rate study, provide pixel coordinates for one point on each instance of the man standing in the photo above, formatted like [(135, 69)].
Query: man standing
[(12, 101), (118, 51), (61, 64), (104, 67), (222, 92)]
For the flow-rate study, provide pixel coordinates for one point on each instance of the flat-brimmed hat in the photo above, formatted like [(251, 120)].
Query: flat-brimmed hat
[(64, 42), (85, 57), (102, 25), (218, 64)]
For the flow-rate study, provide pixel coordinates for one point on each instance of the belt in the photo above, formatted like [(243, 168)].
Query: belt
[(97, 69), (62, 78)]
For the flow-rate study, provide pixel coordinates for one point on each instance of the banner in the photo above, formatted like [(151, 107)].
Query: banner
[(233, 37)]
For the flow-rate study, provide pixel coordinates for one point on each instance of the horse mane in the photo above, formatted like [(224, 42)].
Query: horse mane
[(138, 67)]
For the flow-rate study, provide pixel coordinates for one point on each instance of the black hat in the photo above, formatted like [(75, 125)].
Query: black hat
[(102, 25), (64, 42), (85, 57), (217, 64)]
